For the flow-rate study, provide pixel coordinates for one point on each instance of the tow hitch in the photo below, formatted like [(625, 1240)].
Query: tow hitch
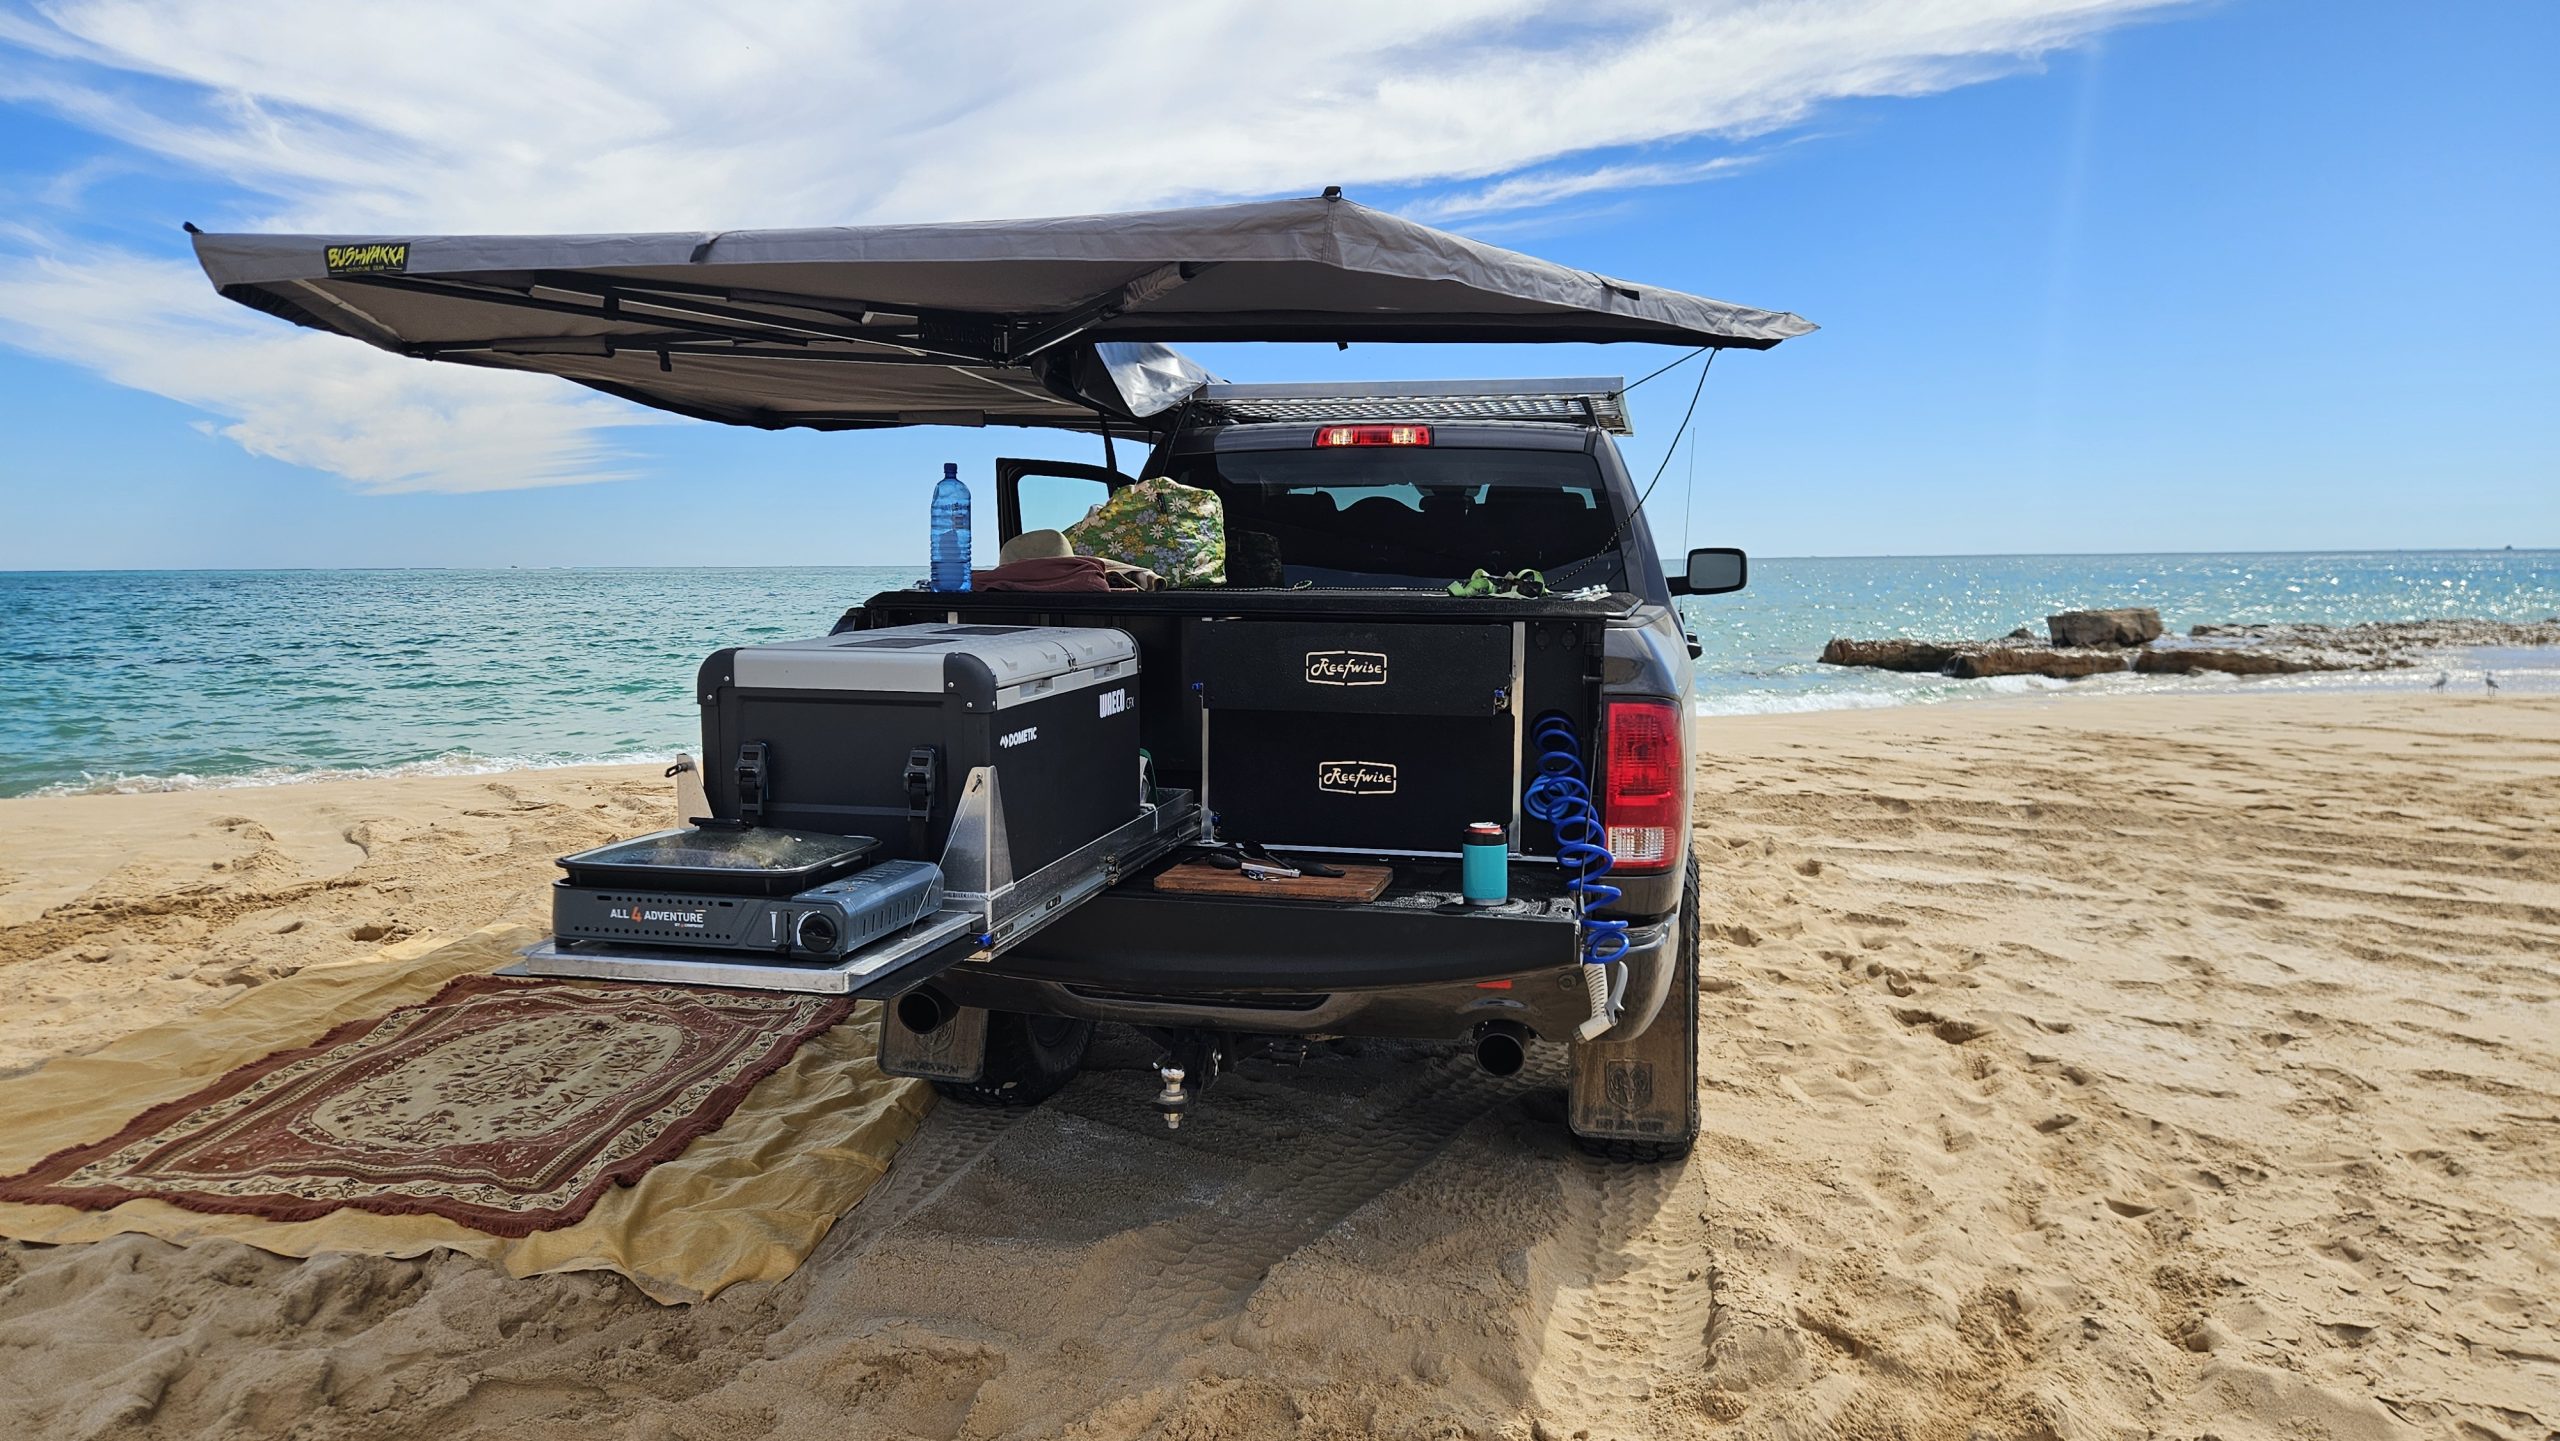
[(1172, 1100), (1191, 1059)]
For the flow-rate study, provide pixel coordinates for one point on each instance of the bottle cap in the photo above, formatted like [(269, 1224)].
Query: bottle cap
[(950, 470)]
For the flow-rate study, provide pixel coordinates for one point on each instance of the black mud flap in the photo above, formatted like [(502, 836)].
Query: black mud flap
[(954, 1050), (1639, 1090), (1638, 1097)]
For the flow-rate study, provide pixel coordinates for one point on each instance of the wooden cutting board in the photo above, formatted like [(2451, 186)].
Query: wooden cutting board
[(1199, 878)]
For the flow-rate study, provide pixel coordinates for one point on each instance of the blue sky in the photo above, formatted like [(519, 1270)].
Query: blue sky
[(2092, 277)]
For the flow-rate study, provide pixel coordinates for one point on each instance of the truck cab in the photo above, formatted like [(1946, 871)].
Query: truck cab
[(1351, 711)]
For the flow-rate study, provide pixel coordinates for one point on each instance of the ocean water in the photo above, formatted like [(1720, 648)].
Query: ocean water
[(156, 680), (1761, 646), (146, 680)]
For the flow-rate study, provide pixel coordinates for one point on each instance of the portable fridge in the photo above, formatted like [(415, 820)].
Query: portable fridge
[(873, 733)]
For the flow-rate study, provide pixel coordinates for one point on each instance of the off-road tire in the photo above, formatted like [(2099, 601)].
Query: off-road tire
[(1029, 1059), (1631, 1153), (1684, 992)]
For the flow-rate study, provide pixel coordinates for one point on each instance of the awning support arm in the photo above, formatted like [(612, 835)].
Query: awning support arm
[(768, 330), (709, 304), (493, 295), (858, 311), (1119, 301), (654, 343)]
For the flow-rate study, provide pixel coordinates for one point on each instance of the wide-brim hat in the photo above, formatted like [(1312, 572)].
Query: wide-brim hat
[(1034, 545)]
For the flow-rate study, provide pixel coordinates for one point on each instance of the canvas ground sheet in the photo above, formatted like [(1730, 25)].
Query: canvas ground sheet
[(745, 1201)]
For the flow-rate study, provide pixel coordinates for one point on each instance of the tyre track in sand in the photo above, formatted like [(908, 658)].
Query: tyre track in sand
[(1113, 1265), (1635, 1306), (1204, 1267)]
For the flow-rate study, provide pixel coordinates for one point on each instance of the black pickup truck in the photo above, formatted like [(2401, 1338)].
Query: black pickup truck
[(1354, 711), (1455, 708)]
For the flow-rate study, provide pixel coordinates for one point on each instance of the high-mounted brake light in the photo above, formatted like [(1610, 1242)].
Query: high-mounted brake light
[(1641, 785), (1333, 435)]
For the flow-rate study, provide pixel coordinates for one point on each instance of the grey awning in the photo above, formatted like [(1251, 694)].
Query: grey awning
[(1030, 322)]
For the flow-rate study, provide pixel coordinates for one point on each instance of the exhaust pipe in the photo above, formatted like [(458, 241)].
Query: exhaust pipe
[(1502, 1047), (924, 1010)]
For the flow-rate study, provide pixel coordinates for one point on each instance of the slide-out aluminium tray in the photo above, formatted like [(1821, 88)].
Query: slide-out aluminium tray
[(986, 909)]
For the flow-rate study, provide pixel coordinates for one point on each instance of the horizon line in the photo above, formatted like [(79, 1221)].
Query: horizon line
[(813, 565)]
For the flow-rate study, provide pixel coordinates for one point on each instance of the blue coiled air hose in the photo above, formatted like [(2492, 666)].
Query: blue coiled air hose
[(1561, 796)]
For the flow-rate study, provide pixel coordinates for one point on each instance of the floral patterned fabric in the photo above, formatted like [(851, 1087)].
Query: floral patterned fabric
[(508, 1106), (1177, 531)]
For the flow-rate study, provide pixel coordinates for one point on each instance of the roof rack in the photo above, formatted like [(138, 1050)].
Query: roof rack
[(1595, 401)]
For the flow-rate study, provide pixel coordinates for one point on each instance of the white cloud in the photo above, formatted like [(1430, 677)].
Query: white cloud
[(1543, 188), (383, 422), (654, 114)]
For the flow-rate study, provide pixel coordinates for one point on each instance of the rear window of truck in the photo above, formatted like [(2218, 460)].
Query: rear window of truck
[(1398, 516)]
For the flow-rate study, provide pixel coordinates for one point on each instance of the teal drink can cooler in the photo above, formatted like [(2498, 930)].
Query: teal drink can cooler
[(1484, 866)]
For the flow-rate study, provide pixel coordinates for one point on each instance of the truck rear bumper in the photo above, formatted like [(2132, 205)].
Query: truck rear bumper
[(1134, 937), (1411, 964)]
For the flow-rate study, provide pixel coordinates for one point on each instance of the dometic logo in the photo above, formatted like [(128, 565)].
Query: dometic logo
[(1024, 736), (374, 259), (1356, 778), (640, 915), (1346, 667)]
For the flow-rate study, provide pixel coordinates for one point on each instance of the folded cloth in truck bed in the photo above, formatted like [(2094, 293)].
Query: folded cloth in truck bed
[(1092, 574)]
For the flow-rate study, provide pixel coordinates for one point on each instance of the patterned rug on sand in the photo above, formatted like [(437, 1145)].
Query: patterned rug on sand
[(508, 1106)]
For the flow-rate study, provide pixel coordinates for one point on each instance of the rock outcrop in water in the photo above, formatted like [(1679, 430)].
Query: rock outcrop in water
[(2188, 660), (2388, 638), (2134, 625), (2097, 642), (1973, 659), (2061, 664), (1910, 655)]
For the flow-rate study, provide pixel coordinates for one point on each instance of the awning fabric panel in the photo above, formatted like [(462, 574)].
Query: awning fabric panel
[(986, 321)]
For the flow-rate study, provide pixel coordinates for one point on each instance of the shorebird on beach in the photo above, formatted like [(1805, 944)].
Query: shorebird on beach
[(2443, 678), (2491, 677)]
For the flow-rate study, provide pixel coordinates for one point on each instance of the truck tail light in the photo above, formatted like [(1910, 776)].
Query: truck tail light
[(1333, 435), (1641, 786)]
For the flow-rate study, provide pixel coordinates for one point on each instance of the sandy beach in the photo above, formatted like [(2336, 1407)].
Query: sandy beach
[(2071, 1068)]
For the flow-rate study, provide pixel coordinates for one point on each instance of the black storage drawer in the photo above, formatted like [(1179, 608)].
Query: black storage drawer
[(1388, 669), (1383, 783), (1389, 737)]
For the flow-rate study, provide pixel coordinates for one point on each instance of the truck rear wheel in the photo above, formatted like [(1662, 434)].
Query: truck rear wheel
[(1029, 1059), (1680, 1014)]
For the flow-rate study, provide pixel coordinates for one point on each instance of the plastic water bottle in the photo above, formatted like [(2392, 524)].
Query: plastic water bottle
[(950, 541)]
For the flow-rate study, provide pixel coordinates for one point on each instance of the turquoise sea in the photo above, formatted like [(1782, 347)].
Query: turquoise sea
[(155, 680)]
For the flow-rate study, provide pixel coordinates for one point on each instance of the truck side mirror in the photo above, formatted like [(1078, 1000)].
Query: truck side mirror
[(1717, 570)]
